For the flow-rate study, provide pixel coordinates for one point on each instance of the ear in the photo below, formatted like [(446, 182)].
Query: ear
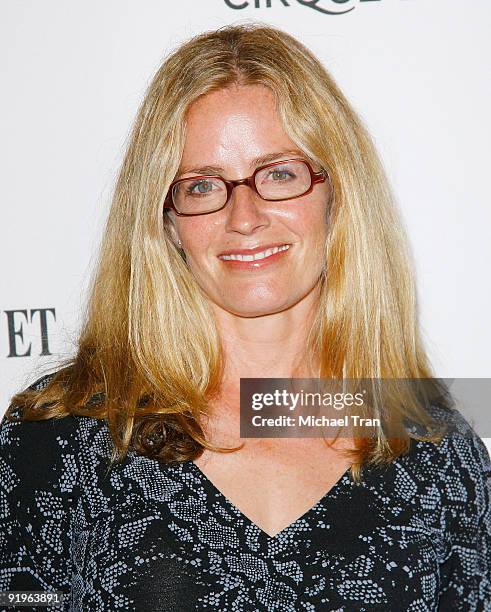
[(173, 231)]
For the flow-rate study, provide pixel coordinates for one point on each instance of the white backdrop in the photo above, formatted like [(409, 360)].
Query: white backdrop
[(73, 75)]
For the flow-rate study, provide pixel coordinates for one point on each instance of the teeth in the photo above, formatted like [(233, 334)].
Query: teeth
[(256, 256)]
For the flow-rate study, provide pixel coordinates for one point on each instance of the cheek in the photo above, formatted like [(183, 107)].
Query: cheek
[(316, 224), (319, 234), (314, 232), (309, 224), (196, 237)]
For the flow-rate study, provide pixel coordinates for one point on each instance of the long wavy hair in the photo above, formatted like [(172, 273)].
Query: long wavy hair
[(149, 356)]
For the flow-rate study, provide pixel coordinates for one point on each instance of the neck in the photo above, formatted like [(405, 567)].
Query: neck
[(271, 346)]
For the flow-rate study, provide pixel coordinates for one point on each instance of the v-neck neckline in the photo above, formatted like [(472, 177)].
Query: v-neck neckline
[(263, 534)]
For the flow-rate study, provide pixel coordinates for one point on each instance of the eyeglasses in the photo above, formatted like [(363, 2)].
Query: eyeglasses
[(204, 194)]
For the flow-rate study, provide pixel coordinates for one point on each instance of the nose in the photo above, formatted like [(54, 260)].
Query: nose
[(245, 213)]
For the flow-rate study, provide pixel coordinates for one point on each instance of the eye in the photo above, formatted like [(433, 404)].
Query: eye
[(281, 175), (204, 187)]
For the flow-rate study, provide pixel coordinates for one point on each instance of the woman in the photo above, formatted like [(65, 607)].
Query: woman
[(125, 482)]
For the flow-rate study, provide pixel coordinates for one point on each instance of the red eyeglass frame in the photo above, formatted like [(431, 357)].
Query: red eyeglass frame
[(315, 177)]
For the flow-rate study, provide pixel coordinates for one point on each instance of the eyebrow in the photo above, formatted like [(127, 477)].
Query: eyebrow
[(257, 161)]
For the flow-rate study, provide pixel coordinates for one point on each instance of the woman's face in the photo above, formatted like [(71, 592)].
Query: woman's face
[(228, 129)]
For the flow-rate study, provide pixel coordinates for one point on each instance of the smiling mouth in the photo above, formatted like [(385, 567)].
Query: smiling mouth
[(257, 256)]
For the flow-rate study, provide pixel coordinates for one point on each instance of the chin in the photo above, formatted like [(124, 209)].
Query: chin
[(243, 309)]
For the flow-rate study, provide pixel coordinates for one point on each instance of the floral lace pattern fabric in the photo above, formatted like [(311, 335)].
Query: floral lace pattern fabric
[(414, 536)]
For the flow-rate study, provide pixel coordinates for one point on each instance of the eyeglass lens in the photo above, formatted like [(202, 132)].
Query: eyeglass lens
[(278, 182)]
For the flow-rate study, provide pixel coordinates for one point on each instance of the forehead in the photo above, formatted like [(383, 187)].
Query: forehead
[(235, 96), (232, 126)]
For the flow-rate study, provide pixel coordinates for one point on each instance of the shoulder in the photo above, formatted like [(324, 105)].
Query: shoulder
[(460, 448), (466, 473), (457, 472), (462, 451), (50, 450), (46, 466)]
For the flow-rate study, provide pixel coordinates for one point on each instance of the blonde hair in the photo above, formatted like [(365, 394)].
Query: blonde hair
[(149, 355)]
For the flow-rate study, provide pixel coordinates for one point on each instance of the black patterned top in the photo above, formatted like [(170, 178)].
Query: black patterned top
[(412, 537)]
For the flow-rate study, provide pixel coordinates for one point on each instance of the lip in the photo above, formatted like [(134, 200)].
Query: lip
[(258, 264), (254, 250)]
